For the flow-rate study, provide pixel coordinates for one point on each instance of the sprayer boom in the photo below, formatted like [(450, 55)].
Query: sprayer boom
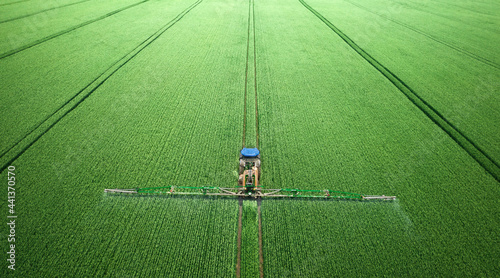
[(250, 187), (250, 193)]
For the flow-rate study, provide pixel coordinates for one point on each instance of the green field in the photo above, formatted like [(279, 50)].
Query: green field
[(394, 97)]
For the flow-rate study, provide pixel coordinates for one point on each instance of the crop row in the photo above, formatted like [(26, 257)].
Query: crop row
[(250, 240), (328, 119), (459, 137), (311, 238), (172, 115), (122, 235), (464, 26), (462, 88), (30, 30), (50, 82)]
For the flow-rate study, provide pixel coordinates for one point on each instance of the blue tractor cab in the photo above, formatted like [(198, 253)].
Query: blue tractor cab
[(250, 152)]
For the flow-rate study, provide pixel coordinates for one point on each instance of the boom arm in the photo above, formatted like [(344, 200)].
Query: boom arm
[(261, 192)]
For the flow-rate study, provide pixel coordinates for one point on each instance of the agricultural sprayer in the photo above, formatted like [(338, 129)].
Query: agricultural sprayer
[(249, 186)]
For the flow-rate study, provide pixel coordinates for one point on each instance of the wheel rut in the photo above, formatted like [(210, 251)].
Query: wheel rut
[(250, 136), (238, 241), (42, 11), (261, 253), (255, 79), (55, 35), (478, 154), (42, 128), (454, 47), (6, 4)]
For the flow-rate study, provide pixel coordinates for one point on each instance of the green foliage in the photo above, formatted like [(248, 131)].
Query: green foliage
[(173, 115), (250, 240), (60, 68), (329, 119), (126, 236), (446, 51), (315, 238)]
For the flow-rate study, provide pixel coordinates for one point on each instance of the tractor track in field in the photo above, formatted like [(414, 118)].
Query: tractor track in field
[(255, 79), (5, 4), (481, 157), (238, 241), (456, 48), (246, 81), (55, 35), (250, 31), (42, 11), (251, 22), (261, 253), (43, 127), (417, 7), (467, 9), (259, 200), (16, 2)]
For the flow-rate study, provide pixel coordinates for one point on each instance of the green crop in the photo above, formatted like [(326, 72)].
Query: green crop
[(37, 96), (250, 243), (454, 66), (374, 97), (329, 119)]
